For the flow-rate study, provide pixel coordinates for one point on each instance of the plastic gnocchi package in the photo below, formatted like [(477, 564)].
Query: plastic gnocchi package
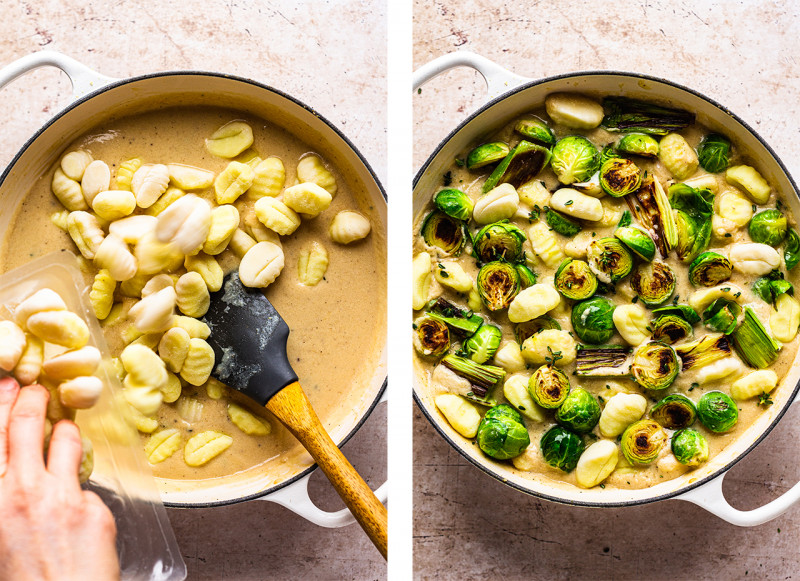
[(122, 477)]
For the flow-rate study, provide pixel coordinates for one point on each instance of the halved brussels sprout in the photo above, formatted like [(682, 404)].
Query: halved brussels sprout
[(499, 241), (580, 412), (653, 283), (693, 210), (689, 447), (791, 251), (549, 386), (620, 177), (575, 159), (670, 329), (529, 328), (608, 152), (482, 377), (443, 232), (593, 320), (609, 259), (710, 269), (522, 164), (637, 240), (655, 365), (454, 203), (536, 131), (717, 411), (561, 448), (714, 153), (606, 361), (575, 280), (487, 153), (498, 283), (526, 276), (561, 224), (692, 236), (752, 342), (502, 434), (431, 336), (642, 442), (483, 344), (684, 311), (722, 315), (627, 115), (674, 412), (638, 144), (768, 227), (462, 321)]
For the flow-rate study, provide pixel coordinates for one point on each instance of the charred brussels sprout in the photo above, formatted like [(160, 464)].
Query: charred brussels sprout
[(609, 259), (526, 276), (487, 153), (717, 411), (454, 203), (714, 153), (443, 232), (574, 159), (683, 311), (522, 164), (637, 240), (689, 447), (498, 283), (655, 365), (561, 448), (670, 329), (529, 328), (693, 211), (620, 177), (710, 269), (483, 344), (464, 322), (638, 144), (431, 336), (580, 412), (642, 441), (536, 131), (631, 115), (499, 241), (575, 280), (502, 434), (674, 412), (561, 224), (752, 342), (791, 251), (593, 320), (722, 315), (653, 283), (548, 387), (768, 227)]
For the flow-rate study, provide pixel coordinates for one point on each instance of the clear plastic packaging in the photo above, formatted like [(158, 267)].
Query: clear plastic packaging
[(122, 477)]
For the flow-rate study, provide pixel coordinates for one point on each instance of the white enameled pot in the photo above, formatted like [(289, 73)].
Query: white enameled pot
[(509, 95), (97, 98)]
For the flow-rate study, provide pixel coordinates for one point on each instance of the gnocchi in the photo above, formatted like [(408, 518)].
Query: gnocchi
[(86, 233), (154, 313), (63, 328), (162, 444), (311, 169), (307, 199), (509, 357), (621, 411), (72, 364), (188, 177), (498, 204), (149, 182), (96, 178), (421, 279), (192, 295), (544, 344), (574, 110), (596, 463), (68, 192), (631, 323), (114, 204), (677, 156), (753, 384), (205, 446), (74, 164), (230, 140), (114, 256), (185, 224), (233, 181), (80, 392), (533, 302), (224, 222), (450, 274), (269, 176), (12, 344), (29, 365), (785, 318), (198, 363), (459, 413), (546, 244), (577, 205), (261, 265), (348, 227), (249, 423), (312, 264), (515, 389), (277, 216)]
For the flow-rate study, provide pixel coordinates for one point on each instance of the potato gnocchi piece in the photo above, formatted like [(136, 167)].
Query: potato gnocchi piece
[(75, 163), (249, 423), (232, 182), (193, 298), (59, 219), (143, 366), (312, 264), (307, 199), (190, 409), (29, 365), (173, 348), (577, 205), (474, 301), (188, 177), (753, 384), (96, 178), (748, 179), (718, 370), (63, 328), (509, 357), (621, 411), (185, 224), (86, 233), (258, 231), (677, 156), (535, 348), (707, 181), (735, 207), (207, 267), (169, 197), (459, 413), (631, 323), (578, 246), (785, 318), (162, 444), (196, 329), (205, 446), (114, 256), (230, 140), (172, 389), (153, 256), (101, 296), (574, 110), (612, 212), (143, 423), (215, 389), (149, 182), (596, 463), (501, 203), (515, 389), (80, 393), (269, 176), (132, 228), (241, 242), (534, 193), (42, 300), (157, 283), (546, 245), (198, 363), (125, 173), (224, 222), (277, 216), (153, 314), (72, 364), (311, 169), (533, 302), (114, 204), (12, 344), (68, 192), (754, 258), (349, 226), (421, 280), (452, 275), (261, 265), (149, 340)]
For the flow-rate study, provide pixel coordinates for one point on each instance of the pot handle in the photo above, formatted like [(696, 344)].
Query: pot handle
[(84, 80), (498, 79), (709, 496)]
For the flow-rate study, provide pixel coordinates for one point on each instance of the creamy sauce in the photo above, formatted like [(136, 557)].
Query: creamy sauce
[(337, 327)]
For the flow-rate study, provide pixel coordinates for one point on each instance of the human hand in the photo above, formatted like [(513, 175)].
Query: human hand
[(49, 527)]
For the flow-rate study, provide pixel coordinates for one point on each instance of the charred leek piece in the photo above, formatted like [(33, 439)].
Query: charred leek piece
[(605, 361), (654, 211), (629, 115), (462, 321), (482, 377), (707, 350), (753, 343)]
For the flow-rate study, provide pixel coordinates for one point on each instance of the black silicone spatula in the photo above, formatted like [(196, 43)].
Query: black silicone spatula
[(249, 340)]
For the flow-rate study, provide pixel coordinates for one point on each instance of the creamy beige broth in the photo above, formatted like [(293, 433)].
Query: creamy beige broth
[(336, 326), (625, 476)]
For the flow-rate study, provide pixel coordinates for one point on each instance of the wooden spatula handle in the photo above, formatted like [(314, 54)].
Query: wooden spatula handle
[(291, 406)]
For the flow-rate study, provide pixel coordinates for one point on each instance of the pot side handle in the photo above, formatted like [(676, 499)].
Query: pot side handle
[(709, 496), (498, 79), (84, 80)]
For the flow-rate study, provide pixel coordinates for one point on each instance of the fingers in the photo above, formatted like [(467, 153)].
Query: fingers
[(8, 395), (64, 455), (26, 431)]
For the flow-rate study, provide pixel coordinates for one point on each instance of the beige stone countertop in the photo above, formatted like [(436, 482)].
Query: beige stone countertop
[(742, 54), (329, 54)]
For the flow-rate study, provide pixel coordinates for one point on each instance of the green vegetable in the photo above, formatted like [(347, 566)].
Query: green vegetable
[(655, 365), (561, 448), (548, 386), (753, 343), (443, 232), (710, 269), (536, 131), (637, 240), (714, 153), (694, 209), (683, 311), (580, 412), (638, 144), (529, 328), (670, 329), (483, 344), (689, 447), (608, 152), (481, 376), (768, 227), (631, 115), (605, 361), (431, 336), (707, 350), (499, 241), (502, 434), (575, 280), (653, 283), (626, 220), (561, 224), (674, 412), (522, 164), (454, 203), (574, 159), (487, 153), (654, 212), (526, 276), (722, 315), (461, 321), (791, 250), (498, 283), (609, 259), (592, 320), (620, 177), (642, 441), (717, 411)]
